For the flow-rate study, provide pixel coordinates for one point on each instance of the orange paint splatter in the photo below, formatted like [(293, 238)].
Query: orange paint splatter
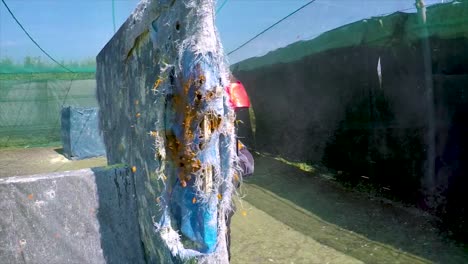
[(196, 165), (210, 95), (202, 80), (194, 200), (30, 196), (183, 183)]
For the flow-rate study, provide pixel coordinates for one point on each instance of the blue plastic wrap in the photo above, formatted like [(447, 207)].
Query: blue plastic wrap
[(81, 137)]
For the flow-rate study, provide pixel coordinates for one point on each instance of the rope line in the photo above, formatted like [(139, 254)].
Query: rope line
[(32, 39), (281, 20), (270, 27), (113, 13), (221, 7)]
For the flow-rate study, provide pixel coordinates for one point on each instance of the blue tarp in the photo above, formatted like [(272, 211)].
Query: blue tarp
[(80, 133)]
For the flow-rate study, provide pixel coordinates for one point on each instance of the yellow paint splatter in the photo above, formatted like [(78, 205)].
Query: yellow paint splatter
[(220, 196), (138, 115), (236, 177), (134, 169), (302, 166), (244, 213), (194, 200), (156, 85)]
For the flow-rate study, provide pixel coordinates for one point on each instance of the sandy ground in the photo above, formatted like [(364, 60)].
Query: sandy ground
[(287, 215), (18, 162)]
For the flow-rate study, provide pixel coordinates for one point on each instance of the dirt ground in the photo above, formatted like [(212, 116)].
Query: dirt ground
[(293, 216), (287, 215), (26, 161)]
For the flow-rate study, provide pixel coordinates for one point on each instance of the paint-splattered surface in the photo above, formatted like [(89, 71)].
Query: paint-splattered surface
[(160, 87)]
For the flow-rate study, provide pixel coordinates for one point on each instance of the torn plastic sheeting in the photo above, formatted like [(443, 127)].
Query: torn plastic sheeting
[(199, 163), (193, 205)]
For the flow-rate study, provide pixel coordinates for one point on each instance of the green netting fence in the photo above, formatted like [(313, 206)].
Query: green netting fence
[(30, 102)]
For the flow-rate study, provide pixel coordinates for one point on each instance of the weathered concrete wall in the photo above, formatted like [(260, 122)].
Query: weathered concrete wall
[(332, 108), (84, 216), (155, 78), (124, 83)]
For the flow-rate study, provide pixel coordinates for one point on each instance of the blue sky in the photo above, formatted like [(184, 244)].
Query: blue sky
[(78, 29)]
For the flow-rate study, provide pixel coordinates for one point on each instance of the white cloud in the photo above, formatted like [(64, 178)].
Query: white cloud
[(8, 43)]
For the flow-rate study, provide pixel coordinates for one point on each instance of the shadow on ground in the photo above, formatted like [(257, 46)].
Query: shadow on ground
[(59, 151), (369, 229)]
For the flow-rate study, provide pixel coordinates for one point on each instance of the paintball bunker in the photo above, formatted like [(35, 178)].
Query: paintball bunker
[(80, 133), (385, 98), (83, 216), (164, 112)]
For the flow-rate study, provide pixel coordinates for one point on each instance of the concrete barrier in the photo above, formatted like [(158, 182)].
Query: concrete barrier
[(83, 216)]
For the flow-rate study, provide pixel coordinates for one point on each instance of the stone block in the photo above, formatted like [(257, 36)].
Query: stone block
[(83, 216)]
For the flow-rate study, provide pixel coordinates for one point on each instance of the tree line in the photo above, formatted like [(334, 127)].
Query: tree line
[(37, 62)]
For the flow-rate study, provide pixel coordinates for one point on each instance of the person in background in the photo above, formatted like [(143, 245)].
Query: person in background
[(238, 99)]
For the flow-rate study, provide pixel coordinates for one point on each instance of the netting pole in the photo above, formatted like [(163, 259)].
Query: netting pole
[(428, 184), (113, 13), (57, 122)]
